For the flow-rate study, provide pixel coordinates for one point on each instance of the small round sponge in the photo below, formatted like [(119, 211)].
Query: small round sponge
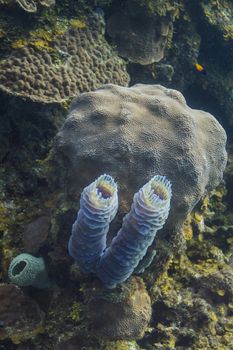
[(27, 270)]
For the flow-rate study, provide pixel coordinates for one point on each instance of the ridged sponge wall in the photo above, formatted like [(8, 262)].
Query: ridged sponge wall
[(148, 214), (98, 207)]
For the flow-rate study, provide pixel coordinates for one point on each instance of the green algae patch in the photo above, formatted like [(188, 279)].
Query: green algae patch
[(78, 23), (42, 38), (76, 311), (42, 30), (120, 345), (66, 315), (19, 338)]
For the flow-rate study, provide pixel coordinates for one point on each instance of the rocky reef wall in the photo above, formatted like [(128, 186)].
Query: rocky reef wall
[(51, 51)]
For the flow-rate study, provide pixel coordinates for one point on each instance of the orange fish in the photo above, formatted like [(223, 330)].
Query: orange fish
[(199, 68)]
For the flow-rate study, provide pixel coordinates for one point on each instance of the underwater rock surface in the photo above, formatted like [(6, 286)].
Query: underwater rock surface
[(36, 233), (20, 315), (140, 37)]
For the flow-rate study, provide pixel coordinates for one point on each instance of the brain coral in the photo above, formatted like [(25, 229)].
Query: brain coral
[(137, 132), (79, 60), (29, 5)]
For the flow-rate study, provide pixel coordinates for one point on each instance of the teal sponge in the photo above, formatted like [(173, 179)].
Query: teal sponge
[(27, 270)]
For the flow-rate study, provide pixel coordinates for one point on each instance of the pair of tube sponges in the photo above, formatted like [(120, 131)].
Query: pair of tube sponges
[(98, 207)]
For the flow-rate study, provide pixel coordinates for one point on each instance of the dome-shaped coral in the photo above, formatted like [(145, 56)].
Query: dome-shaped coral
[(137, 132)]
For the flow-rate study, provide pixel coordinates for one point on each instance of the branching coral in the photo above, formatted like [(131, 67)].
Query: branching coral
[(99, 204)]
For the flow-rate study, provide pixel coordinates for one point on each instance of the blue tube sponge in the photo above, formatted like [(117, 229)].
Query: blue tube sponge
[(98, 207), (27, 270), (148, 214)]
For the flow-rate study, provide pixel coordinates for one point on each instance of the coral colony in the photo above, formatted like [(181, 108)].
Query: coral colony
[(98, 207), (82, 53)]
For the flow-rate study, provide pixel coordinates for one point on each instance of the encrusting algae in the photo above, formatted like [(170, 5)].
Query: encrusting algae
[(192, 282)]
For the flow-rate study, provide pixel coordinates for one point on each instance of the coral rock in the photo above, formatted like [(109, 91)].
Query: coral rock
[(36, 233), (126, 318), (21, 317), (142, 38), (217, 285), (219, 16)]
